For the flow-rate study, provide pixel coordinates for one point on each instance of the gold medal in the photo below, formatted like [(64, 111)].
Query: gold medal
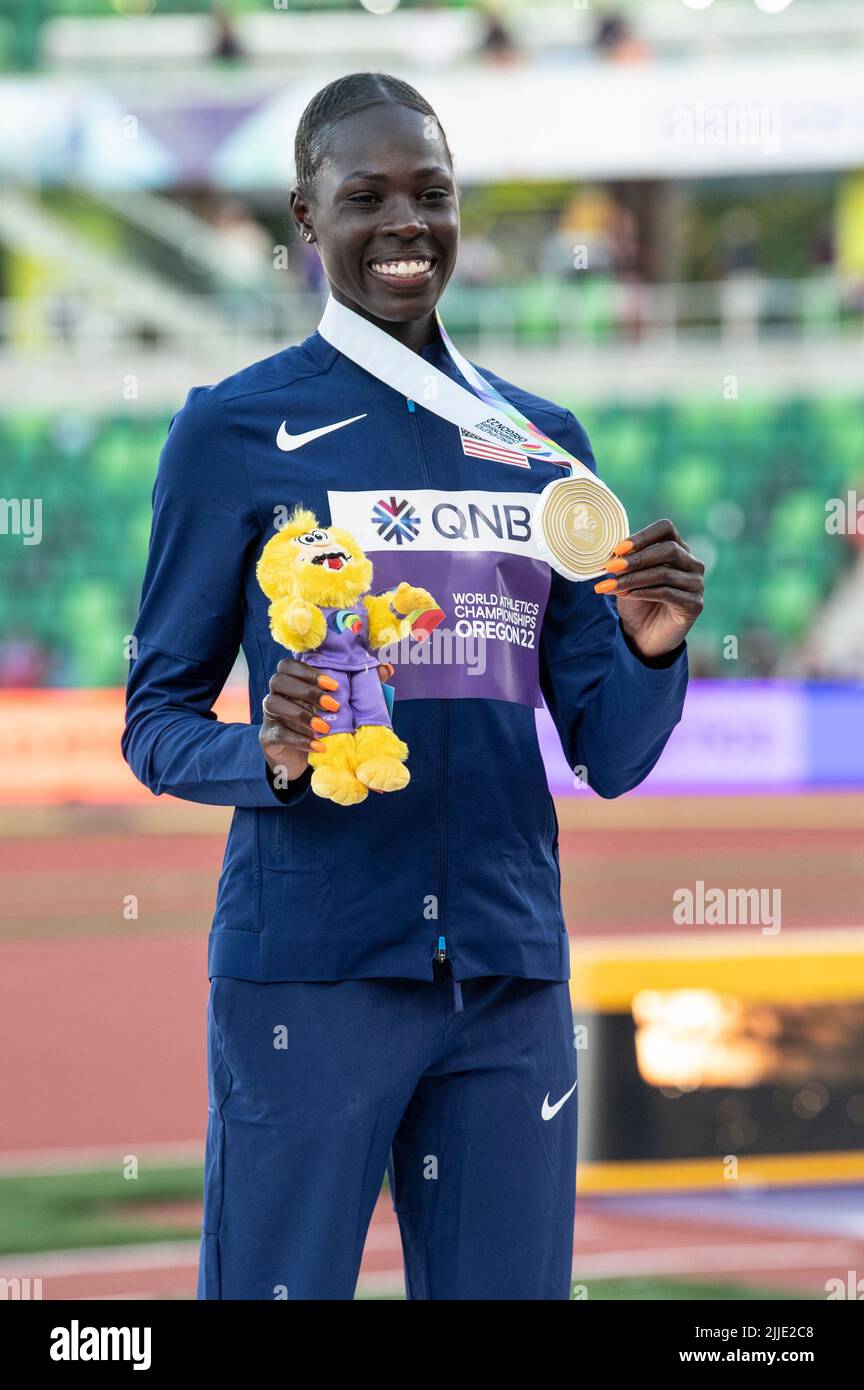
[(577, 524)]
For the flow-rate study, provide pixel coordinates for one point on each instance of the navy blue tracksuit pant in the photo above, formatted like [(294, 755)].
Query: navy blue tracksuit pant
[(465, 1094)]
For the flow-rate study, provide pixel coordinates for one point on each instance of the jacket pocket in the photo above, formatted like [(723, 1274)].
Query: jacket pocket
[(240, 879), (300, 903), (303, 836), (273, 838)]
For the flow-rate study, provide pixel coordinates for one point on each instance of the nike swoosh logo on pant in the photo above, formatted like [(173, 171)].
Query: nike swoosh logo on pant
[(550, 1111)]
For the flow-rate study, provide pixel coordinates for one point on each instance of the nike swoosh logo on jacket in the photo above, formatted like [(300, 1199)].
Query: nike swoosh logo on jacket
[(288, 442), (469, 849)]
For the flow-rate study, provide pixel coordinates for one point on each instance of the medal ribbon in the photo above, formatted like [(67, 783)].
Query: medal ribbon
[(537, 444), (409, 373)]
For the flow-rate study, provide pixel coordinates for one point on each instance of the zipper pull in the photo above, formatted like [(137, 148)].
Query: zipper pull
[(410, 404), (441, 953)]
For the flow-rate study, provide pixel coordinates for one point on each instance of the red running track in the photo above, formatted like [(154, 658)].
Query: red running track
[(103, 1042)]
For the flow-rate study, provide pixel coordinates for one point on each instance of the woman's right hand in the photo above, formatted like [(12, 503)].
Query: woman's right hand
[(292, 718)]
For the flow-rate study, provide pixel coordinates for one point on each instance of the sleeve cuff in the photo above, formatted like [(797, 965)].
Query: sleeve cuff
[(646, 665), (294, 792)]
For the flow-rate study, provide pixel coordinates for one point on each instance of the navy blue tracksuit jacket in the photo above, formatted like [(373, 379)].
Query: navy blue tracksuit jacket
[(468, 850)]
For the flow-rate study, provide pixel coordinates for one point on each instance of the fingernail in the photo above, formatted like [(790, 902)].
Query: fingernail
[(319, 725), (316, 746), (608, 586), (623, 548), (616, 566), (328, 683), (327, 702)]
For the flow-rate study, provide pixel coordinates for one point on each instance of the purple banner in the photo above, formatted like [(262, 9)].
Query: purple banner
[(487, 645), (757, 736)]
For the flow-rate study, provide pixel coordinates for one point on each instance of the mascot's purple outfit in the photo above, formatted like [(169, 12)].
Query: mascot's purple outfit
[(344, 654)]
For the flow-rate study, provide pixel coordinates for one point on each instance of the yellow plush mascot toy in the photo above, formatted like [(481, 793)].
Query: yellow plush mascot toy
[(318, 580)]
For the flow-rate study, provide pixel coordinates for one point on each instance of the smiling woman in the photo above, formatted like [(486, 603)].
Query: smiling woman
[(412, 949), (377, 194)]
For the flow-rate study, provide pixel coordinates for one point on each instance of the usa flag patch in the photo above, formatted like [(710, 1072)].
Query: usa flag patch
[(480, 448)]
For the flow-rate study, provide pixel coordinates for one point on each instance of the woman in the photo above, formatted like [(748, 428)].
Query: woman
[(389, 980)]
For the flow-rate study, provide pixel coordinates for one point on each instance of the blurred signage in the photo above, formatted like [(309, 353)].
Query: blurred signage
[(747, 735), (64, 745), (739, 735), (703, 117)]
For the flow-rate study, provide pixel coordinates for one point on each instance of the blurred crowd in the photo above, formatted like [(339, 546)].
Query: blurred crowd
[(609, 230)]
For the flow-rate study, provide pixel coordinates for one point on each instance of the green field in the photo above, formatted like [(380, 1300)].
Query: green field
[(72, 1211), (100, 1208)]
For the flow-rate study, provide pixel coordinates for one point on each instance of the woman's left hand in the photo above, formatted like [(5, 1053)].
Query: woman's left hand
[(659, 587)]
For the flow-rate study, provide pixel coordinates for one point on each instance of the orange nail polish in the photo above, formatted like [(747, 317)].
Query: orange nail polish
[(328, 683), (607, 586), (616, 566), (623, 548), (316, 746), (327, 702), (319, 725)]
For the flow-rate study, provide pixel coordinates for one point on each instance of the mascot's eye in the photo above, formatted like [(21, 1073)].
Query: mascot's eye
[(312, 538)]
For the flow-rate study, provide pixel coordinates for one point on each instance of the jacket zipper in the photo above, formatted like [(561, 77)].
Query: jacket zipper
[(440, 953)]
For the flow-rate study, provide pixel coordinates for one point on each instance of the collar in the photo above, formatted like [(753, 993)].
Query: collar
[(349, 321)]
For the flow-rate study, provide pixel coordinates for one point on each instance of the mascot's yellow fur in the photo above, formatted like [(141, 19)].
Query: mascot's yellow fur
[(319, 579)]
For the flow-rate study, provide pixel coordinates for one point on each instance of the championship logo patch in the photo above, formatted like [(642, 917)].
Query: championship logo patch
[(476, 635), (395, 521)]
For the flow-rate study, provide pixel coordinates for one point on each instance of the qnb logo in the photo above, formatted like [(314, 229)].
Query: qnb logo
[(507, 521), (77, 1343), (395, 521)]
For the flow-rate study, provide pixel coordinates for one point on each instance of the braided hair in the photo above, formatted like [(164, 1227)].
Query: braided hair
[(345, 97)]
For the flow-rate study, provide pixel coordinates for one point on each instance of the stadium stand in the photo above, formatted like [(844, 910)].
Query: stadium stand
[(740, 483)]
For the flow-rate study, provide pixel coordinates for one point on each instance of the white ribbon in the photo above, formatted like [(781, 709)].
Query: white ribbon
[(406, 371)]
